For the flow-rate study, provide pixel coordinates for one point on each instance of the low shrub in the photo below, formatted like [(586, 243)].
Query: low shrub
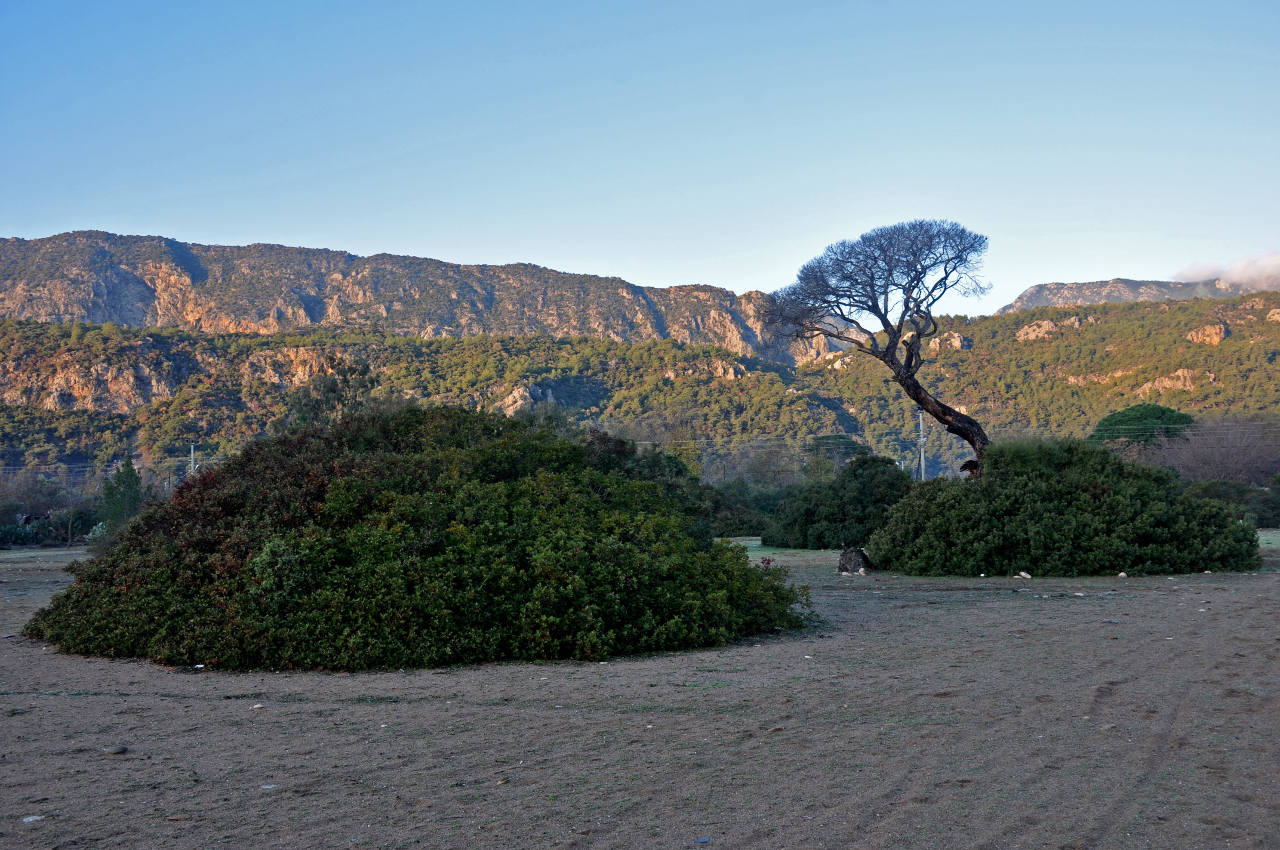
[(1064, 508), (419, 537), (1259, 505), (833, 514)]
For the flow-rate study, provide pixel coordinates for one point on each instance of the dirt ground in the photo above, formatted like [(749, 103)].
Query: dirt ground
[(999, 713)]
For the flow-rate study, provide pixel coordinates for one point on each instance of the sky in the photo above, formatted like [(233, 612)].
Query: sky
[(720, 143)]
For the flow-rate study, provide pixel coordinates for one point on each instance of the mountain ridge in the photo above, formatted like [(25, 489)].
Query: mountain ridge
[(266, 288), (1120, 290), (156, 281)]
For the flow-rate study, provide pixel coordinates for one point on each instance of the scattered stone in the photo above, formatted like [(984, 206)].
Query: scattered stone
[(115, 750), (853, 559), (1024, 574), (1122, 575)]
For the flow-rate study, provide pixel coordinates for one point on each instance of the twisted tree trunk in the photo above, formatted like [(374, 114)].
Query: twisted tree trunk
[(963, 426)]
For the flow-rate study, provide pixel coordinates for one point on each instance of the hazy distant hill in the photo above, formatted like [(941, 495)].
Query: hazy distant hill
[(1121, 289), (159, 282)]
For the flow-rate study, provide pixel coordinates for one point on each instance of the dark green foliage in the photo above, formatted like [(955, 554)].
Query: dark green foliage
[(1142, 424), (743, 509), (121, 496), (419, 537), (839, 512), (1061, 507), (1260, 505)]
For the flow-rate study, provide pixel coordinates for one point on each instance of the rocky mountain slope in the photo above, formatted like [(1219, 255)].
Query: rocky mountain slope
[(1121, 289), (153, 281)]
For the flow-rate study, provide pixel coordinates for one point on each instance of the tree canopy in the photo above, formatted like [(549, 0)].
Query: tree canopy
[(1141, 423), (877, 295)]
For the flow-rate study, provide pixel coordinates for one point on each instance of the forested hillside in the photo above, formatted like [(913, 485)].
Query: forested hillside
[(84, 394)]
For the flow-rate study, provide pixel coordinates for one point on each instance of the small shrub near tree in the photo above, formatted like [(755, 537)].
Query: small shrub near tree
[(1065, 508), (419, 537), (839, 512), (1259, 505)]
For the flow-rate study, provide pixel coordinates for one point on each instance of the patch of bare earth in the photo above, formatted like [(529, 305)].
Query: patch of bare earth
[(998, 713)]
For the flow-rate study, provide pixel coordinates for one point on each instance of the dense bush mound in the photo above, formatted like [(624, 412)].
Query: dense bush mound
[(833, 514), (418, 537), (1061, 507)]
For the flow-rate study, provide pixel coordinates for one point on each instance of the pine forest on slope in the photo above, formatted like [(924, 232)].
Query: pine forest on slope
[(85, 394)]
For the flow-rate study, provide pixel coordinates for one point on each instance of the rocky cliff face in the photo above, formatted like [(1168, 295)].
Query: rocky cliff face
[(1122, 289), (152, 281), (70, 382)]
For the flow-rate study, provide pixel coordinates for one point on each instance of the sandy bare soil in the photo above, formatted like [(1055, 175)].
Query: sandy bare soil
[(1102, 713)]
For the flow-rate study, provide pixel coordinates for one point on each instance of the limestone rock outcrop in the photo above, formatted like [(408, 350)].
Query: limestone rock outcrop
[(950, 339), (1212, 334), (1042, 329)]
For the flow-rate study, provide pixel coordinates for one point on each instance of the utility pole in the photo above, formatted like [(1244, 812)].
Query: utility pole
[(920, 416)]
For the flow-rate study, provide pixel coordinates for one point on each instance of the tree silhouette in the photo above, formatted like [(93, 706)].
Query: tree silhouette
[(877, 295)]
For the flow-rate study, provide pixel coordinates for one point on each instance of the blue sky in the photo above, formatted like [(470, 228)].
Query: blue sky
[(666, 143)]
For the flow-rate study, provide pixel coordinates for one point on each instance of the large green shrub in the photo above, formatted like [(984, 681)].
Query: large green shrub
[(418, 537), (839, 512), (1061, 507)]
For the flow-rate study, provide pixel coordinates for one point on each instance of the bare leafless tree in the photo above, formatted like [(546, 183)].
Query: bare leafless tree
[(1217, 450), (877, 295)]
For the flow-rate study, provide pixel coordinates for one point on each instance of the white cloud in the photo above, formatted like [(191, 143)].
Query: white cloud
[(1260, 272)]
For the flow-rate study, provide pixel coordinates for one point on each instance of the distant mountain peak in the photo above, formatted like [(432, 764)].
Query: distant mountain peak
[(1123, 289)]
